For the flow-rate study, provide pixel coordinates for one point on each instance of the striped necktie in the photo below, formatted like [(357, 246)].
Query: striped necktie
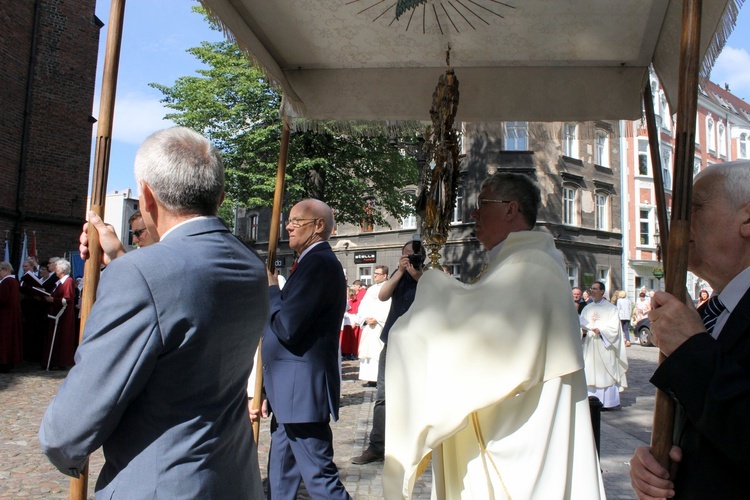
[(711, 313)]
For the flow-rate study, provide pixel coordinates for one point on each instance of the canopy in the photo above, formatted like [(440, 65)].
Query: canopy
[(530, 60)]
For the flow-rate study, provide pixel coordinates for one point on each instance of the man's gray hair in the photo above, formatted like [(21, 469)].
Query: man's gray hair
[(736, 175), (183, 169), (512, 186), (63, 265)]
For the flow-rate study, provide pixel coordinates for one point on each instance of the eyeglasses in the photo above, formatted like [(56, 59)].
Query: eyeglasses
[(482, 201), (297, 222), (138, 232), (377, 274)]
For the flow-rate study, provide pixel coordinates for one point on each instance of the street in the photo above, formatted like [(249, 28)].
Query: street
[(26, 473)]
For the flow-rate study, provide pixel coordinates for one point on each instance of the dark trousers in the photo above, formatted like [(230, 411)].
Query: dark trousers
[(303, 452), (377, 435)]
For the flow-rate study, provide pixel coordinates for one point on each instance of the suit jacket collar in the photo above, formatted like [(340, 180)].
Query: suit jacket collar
[(197, 226), (738, 323)]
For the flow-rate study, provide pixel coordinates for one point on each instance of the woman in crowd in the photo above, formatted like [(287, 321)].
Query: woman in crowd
[(624, 309), (702, 297), (65, 342), (642, 307)]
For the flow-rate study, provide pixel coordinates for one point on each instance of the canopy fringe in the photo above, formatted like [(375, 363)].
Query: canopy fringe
[(725, 28)]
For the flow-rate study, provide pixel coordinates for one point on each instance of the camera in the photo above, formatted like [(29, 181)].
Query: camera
[(417, 258)]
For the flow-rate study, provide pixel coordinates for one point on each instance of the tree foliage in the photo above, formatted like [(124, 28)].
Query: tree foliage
[(233, 104)]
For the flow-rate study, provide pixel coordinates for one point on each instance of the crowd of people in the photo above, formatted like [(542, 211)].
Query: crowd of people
[(39, 314), (165, 368)]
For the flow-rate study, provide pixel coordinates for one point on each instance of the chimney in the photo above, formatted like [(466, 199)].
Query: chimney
[(726, 86)]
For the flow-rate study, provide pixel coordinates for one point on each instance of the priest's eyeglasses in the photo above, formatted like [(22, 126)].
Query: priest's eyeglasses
[(482, 201), (297, 222)]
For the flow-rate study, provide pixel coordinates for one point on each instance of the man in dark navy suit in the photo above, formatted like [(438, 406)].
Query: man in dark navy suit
[(707, 369), (300, 360)]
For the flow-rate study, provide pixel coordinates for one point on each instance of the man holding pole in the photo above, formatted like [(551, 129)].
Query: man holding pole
[(160, 376), (493, 382), (707, 368)]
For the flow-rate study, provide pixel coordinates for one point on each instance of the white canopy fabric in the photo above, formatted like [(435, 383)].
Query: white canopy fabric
[(544, 60)]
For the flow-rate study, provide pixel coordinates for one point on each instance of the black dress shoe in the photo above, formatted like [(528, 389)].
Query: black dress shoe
[(367, 457)]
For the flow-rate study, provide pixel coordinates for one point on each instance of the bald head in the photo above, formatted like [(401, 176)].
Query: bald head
[(318, 210)]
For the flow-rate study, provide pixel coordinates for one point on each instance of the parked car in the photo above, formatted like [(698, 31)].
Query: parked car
[(643, 332)]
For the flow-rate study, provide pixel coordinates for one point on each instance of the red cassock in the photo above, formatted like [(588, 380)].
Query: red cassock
[(65, 339), (351, 333), (11, 333)]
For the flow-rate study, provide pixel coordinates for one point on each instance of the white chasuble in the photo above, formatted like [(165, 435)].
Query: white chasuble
[(489, 376)]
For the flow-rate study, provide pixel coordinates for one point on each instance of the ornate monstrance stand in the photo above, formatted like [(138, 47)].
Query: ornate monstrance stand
[(440, 174)]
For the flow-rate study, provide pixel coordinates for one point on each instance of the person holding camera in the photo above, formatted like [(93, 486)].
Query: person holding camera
[(400, 289)]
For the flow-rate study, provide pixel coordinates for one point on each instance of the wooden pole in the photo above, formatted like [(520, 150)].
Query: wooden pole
[(79, 486), (679, 234), (653, 141), (273, 239)]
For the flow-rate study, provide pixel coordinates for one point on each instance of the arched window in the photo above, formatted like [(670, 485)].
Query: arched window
[(710, 134), (570, 140), (722, 140), (744, 145), (570, 205), (601, 149), (602, 210)]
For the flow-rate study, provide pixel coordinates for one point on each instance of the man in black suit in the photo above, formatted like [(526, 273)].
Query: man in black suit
[(707, 368), (300, 360)]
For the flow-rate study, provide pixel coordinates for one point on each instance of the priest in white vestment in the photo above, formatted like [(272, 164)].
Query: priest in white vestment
[(372, 315), (493, 383), (603, 349)]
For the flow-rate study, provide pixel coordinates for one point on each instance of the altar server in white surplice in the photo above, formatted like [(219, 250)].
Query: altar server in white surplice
[(493, 383), (372, 314), (603, 349)]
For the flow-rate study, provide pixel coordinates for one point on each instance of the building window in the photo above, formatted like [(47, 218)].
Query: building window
[(666, 172), (665, 118), (458, 208), (602, 211), (601, 152), (570, 205), (570, 142), (696, 165), (454, 270), (572, 275), (744, 145), (409, 222), (645, 225), (710, 134), (252, 227), (365, 275), (697, 131), (722, 141), (516, 136), (643, 157)]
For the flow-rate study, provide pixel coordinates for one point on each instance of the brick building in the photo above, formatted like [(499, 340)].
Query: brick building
[(48, 54)]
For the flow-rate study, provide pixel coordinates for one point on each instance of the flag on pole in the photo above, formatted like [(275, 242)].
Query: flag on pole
[(7, 251), (24, 254), (32, 249)]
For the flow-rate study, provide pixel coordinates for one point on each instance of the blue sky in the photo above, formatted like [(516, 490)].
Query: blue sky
[(156, 35)]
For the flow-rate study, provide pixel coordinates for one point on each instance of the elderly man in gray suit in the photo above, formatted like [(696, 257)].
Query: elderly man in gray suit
[(160, 376)]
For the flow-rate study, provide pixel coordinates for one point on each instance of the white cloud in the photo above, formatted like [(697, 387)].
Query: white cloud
[(136, 117), (733, 67)]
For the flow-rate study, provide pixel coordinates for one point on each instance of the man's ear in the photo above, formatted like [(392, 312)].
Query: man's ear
[(744, 214), (147, 196)]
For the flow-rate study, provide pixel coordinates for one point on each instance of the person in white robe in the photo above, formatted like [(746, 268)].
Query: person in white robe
[(604, 355), (372, 315), (493, 385)]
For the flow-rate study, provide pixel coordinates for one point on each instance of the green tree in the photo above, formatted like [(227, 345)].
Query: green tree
[(233, 104)]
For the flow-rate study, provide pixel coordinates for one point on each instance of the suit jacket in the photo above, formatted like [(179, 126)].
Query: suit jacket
[(711, 381), (300, 343), (160, 376)]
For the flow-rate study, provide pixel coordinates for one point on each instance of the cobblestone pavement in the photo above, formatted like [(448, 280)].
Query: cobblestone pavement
[(26, 473)]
